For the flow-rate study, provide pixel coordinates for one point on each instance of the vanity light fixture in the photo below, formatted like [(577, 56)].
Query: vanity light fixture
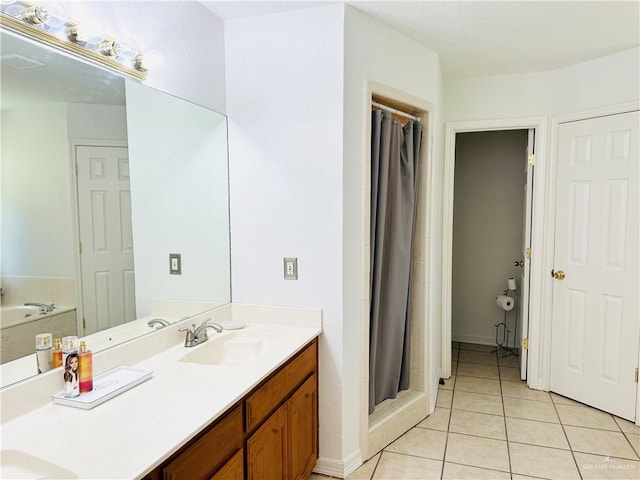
[(46, 23)]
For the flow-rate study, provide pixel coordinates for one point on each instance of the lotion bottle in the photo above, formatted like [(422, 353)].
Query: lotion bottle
[(85, 368), (44, 352), (70, 366), (57, 353)]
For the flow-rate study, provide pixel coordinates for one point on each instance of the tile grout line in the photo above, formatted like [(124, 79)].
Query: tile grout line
[(373, 472), (573, 455), (625, 437), (453, 392), (504, 418)]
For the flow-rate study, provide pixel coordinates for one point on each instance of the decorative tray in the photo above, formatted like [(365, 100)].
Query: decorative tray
[(105, 386)]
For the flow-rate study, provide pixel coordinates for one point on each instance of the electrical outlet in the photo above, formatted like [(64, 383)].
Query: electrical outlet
[(290, 268), (175, 264)]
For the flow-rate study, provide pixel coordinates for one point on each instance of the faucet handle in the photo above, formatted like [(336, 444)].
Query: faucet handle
[(190, 337)]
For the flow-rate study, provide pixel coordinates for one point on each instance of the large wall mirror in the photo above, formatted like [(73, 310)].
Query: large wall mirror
[(102, 179)]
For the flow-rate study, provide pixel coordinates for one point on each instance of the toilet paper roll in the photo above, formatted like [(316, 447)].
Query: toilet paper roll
[(511, 283), (505, 302)]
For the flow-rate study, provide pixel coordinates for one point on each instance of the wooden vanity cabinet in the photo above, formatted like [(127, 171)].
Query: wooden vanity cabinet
[(210, 451), (267, 448), (233, 469), (285, 445), (271, 434), (302, 417)]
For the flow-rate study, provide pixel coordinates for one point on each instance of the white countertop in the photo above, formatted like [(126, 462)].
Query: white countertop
[(129, 435)]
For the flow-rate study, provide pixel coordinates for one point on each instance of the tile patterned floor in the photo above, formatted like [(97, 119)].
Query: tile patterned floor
[(489, 425)]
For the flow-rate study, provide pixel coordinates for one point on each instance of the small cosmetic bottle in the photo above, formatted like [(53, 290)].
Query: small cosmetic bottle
[(57, 353), (44, 352), (85, 368), (70, 366)]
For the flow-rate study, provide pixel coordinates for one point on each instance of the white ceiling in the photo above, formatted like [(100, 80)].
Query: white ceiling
[(477, 38)]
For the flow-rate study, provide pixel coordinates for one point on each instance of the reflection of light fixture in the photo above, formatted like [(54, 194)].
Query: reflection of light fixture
[(46, 23)]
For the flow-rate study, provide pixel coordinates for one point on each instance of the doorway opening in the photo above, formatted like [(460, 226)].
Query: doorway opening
[(489, 234), (531, 272)]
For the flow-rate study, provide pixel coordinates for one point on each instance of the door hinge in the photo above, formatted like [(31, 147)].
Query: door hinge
[(76, 169), (636, 375), (525, 344), (80, 248), (531, 159), (527, 253), (84, 323)]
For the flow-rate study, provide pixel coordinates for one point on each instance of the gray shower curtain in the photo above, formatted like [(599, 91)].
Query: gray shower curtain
[(395, 151)]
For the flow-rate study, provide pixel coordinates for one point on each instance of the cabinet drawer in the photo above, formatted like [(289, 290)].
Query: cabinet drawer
[(207, 454), (277, 388)]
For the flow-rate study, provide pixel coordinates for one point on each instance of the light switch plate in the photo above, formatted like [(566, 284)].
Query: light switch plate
[(175, 264), (290, 268)]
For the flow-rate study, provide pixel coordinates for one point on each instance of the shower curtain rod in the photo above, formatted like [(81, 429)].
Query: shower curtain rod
[(396, 111)]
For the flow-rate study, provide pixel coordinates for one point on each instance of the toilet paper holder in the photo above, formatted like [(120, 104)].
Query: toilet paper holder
[(503, 345)]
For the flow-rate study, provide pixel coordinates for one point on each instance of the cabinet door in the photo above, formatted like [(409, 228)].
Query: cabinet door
[(233, 469), (267, 447), (303, 429)]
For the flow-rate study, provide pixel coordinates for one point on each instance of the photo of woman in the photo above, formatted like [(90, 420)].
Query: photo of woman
[(71, 375)]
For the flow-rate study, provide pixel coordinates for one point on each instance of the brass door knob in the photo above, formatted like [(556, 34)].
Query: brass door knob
[(558, 275)]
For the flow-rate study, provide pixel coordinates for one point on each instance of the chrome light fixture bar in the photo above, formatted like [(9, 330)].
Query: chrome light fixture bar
[(30, 20)]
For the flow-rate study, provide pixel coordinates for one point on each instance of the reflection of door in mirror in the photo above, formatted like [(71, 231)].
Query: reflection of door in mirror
[(106, 241)]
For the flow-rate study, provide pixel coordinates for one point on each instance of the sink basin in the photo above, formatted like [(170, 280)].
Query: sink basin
[(229, 349), (17, 464)]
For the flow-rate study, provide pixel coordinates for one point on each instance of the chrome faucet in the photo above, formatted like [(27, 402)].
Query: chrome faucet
[(196, 336), (44, 308), (158, 323)]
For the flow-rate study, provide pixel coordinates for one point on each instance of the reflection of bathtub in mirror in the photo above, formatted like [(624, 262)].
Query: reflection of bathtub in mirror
[(19, 325)]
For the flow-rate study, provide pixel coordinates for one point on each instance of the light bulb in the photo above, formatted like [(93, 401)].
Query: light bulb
[(89, 34), (30, 14), (109, 48), (54, 15), (49, 16), (127, 51)]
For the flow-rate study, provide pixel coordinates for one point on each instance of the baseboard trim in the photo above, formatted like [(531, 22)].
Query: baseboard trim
[(479, 339), (339, 468)]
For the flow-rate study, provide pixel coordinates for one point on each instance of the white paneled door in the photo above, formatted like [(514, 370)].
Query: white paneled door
[(595, 324), (104, 213)]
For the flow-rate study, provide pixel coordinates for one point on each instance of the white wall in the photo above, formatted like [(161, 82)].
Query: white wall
[(601, 82), (37, 239), (179, 198), (97, 122), (285, 106), (487, 230), (296, 176), (190, 37)]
